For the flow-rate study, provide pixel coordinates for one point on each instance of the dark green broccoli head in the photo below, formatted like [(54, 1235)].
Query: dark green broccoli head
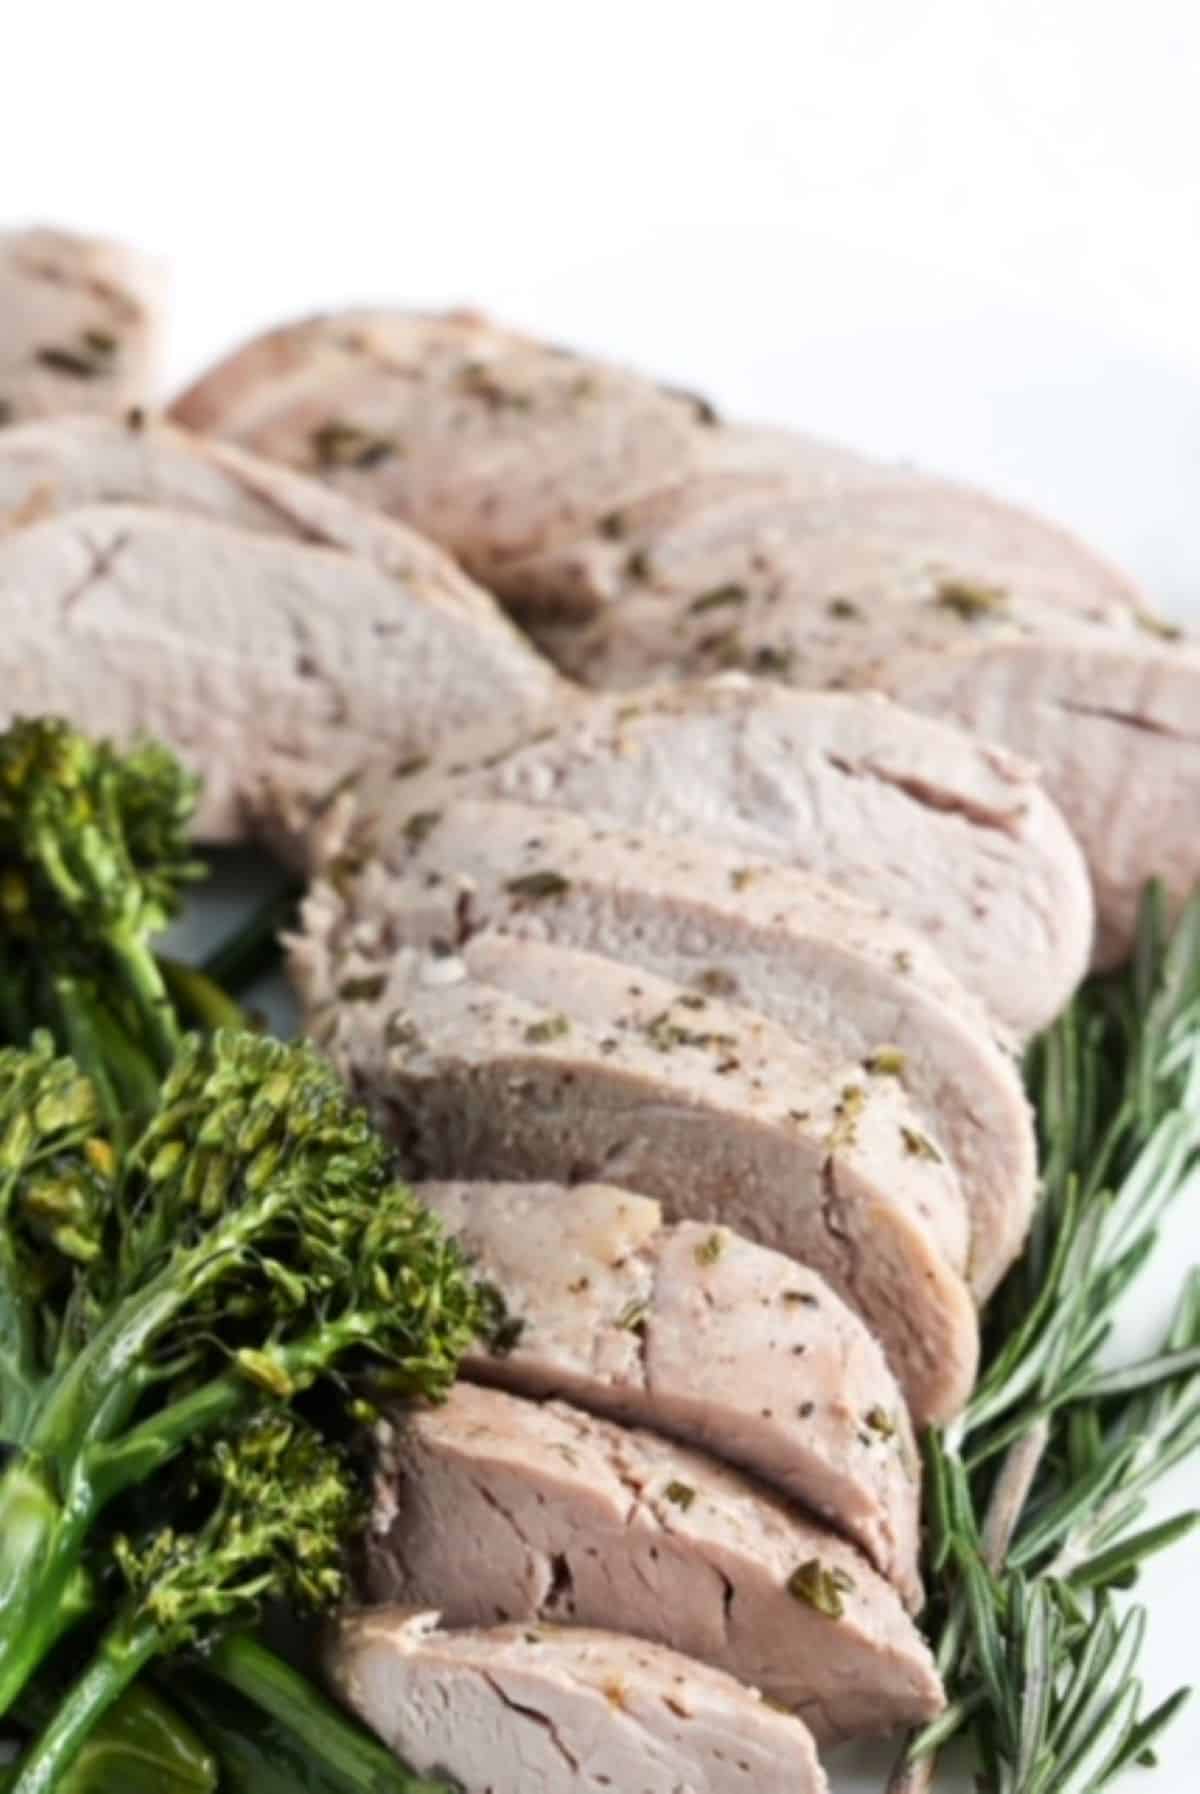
[(269, 1508), (90, 837)]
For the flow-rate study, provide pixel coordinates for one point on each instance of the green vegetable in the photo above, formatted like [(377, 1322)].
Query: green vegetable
[(248, 1242), (94, 862), (268, 1505), (142, 1746), (1037, 1493), (274, 1733)]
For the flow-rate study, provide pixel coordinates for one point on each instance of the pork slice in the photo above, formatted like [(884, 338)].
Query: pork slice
[(704, 558), (61, 464), (255, 657), (498, 1509), (80, 322), (511, 1709), (523, 1061), (824, 964), (738, 1349), (501, 446), (951, 836), (1115, 728), (792, 629)]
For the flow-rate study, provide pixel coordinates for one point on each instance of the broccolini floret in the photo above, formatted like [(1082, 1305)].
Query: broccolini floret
[(269, 1506), (94, 864), (250, 1241)]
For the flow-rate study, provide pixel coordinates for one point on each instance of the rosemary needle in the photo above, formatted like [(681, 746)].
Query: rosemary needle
[(1037, 1493)]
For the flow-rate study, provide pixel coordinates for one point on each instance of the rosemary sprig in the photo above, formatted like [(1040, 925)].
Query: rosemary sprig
[(1038, 1492)]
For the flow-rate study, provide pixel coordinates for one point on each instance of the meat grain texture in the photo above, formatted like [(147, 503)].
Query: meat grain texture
[(735, 1348), (80, 323), (520, 1061), (952, 838), (511, 1709), (258, 658), (827, 966), (498, 1509), (728, 548)]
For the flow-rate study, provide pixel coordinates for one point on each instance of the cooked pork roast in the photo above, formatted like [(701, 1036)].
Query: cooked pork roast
[(513, 1709), (65, 463), (825, 965), (954, 839), (495, 1508), (528, 1062), (80, 322), (640, 539), (737, 1348), (255, 657)]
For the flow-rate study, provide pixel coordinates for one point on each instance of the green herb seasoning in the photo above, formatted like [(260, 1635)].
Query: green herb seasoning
[(537, 886), (820, 1588), (844, 609), (710, 1250), (919, 1146), (968, 600), (632, 1318), (419, 826), (345, 445), (844, 1131), (717, 598), (887, 1061), (680, 1495), (552, 1028), (881, 1422), (364, 989)]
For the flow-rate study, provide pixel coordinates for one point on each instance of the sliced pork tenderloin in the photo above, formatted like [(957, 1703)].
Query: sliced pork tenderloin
[(521, 1061), (80, 323), (495, 1508), (502, 446), (737, 1348), (953, 838), (253, 656), (1114, 726), (729, 554), (510, 1709), (825, 965), (65, 463), (525, 462)]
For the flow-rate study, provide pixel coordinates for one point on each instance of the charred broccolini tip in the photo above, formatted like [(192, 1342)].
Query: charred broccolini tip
[(251, 1241), (269, 1507), (94, 863)]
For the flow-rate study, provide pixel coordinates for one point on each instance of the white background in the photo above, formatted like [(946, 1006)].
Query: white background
[(960, 230)]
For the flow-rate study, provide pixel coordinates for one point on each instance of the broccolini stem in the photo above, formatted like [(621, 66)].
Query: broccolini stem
[(84, 1043), (198, 997), (120, 1658), (139, 973), (143, 1746), (254, 946), (133, 1075), (43, 1589), (345, 1757)]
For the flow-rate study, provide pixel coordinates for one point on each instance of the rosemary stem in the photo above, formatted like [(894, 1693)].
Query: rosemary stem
[(1021, 1464)]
